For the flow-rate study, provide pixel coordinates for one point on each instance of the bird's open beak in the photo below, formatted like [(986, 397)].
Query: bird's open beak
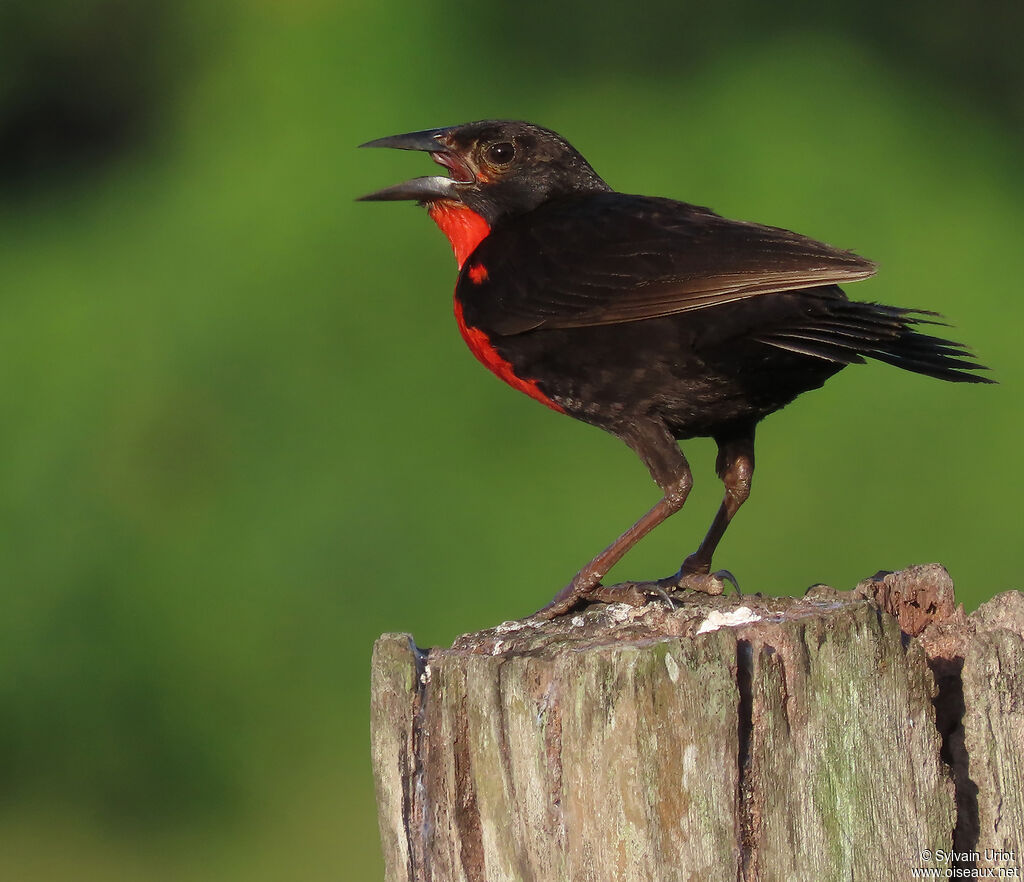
[(427, 189)]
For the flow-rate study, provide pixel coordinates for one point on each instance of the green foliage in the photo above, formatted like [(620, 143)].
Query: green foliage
[(243, 437)]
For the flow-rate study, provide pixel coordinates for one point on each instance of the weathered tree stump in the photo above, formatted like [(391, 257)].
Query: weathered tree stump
[(842, 735)]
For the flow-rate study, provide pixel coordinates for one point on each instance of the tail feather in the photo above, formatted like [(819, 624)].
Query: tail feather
[(847, 332)]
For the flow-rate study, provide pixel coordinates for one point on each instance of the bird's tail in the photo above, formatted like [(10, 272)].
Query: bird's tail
[(848, 332)]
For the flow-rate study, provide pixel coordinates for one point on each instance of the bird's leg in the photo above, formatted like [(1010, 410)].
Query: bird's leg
[(661, 453), (586, 584), (735, 466)]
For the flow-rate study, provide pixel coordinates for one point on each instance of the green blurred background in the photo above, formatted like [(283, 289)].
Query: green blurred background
[(242, 436)]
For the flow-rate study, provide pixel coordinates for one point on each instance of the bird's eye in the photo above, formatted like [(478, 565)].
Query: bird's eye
[(501, 153)]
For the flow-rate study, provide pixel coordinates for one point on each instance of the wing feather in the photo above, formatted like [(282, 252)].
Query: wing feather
[(607, 258)]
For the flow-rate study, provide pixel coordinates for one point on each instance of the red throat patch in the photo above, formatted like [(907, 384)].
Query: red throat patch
[(464, 228)]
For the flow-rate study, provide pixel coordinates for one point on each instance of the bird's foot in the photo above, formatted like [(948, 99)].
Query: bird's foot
[(706, 583), (632, 593), (636, 593)]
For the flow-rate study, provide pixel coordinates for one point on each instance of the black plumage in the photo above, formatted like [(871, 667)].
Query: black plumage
[(651, 318)]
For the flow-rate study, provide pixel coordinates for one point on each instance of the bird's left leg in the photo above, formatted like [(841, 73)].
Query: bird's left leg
[(660, 452), (735, 466)]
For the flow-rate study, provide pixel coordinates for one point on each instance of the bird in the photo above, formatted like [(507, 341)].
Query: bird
[(653, 319)]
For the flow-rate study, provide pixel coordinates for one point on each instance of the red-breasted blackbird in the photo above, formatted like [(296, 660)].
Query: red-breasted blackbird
[(650, 318)]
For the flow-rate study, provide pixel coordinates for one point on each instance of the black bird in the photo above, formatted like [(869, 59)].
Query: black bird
[(653, 319)]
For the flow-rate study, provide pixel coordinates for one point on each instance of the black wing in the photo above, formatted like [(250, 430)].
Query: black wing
[(607, 258)]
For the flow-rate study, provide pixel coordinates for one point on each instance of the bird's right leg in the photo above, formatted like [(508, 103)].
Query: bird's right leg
[(735, 466), (661, 454)]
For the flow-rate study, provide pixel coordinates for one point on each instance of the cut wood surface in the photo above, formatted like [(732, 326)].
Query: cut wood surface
[(841, 735)]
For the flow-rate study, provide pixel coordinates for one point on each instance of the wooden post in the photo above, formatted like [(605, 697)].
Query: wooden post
[(842, 735)]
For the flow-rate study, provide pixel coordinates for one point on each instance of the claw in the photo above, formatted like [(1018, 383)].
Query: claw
[(664, 595), (726, 576)]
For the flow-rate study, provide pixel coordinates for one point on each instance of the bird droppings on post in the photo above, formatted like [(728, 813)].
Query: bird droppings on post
[(742, 615), (517, 625)]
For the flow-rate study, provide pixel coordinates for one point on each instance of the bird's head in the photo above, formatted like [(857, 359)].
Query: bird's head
[(496, 168)]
